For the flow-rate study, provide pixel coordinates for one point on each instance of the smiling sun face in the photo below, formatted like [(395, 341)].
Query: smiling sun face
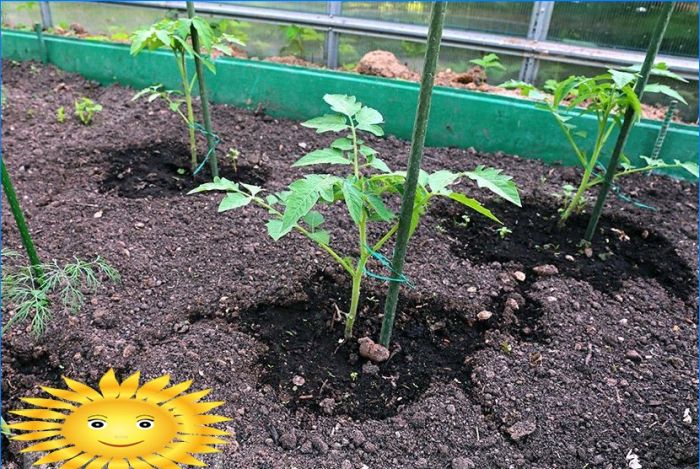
[(121, 425)]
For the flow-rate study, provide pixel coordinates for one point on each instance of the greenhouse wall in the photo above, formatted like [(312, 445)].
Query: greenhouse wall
[(459, 118)]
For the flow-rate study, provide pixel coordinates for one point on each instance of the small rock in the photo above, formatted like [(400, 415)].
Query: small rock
[(346, 465), (451, 409), (319, 445), (471, 290), (484, 315), (545, 270), (463, 463), (298, 380), (288, 440), (519, 276), (97, 214), (370, 368), (372, 351), (521, 429), (103, 319), (421, 463), (181, 327), (129, 350), (512, 304), (306, 448), (369, 447), (358, 438), (570, 258), (327, 405), (588, 252), (139, 225), (633, 355)]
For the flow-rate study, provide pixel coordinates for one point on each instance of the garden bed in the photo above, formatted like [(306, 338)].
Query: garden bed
[(575, 367)]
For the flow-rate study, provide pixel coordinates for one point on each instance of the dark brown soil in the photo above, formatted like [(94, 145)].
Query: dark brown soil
[(574, 369)]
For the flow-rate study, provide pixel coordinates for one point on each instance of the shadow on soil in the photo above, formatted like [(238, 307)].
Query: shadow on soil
[(621, 250), (162, 170), (304, 342)]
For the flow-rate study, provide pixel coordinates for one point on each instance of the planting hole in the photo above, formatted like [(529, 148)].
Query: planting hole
[(164, 170), (624, 251), (308, 366)]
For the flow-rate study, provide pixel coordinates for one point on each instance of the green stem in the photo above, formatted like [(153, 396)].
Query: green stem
[(182, 65), (357, 278), (652, 51), (356, 156), (203, 94), (437, 18), (588, 169), (385, 238), (22, 226)]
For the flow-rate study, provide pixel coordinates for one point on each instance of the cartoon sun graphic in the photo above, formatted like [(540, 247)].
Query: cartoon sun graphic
[(122, 425)]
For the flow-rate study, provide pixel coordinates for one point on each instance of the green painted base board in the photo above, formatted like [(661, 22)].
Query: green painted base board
[(459, 118)]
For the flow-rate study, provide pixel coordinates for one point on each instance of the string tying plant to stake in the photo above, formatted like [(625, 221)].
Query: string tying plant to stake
[(363, 190), (176, 34), (408, 201)]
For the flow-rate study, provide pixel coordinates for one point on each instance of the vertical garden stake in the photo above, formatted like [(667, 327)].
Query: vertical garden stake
[(43, 52), (437, 18), (21, 225), (203, 95), (652, 50)]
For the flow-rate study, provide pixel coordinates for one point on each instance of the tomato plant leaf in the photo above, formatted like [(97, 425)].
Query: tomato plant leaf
[(353, 199), (321, 237), (343, 104), (496, 182), (323, 156), (221, 184), (664, 89), (314, 219), (474, 205), (439, 180), (689, 166), (327, 123), (234, 200)]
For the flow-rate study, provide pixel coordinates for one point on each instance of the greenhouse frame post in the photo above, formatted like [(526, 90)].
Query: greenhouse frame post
[(46, 18), (203, 96), (420, 127), (630, 117), (335, 8), (538, 30), (21, 222)]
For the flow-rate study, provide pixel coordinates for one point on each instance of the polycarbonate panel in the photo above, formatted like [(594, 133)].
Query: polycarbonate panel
[(510, 18), (625, 25)]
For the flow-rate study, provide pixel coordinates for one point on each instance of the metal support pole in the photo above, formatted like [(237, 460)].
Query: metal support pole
[(537, 31), (332, 40), (46, 19)]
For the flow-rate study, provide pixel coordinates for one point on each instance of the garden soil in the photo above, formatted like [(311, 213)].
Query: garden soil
[(586, 358)]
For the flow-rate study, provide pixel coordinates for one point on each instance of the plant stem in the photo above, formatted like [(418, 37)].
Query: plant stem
[(437, 18), (203, 94), (187, 89), (22, 226), (357, 277), (652, 51)]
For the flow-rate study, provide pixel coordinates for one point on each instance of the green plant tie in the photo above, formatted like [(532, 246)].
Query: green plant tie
[(216, 139), (399, 278), (621, 195)]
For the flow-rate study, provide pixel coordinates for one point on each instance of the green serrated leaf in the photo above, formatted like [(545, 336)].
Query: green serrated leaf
[(353, 199), (368, 116), (233, 200), (274, 229), (622, 79), (304, 195), (221, 184), (689, 166), (321, 237), (376, 163), (323, 156), (254, 190), (666, 90), (381, 210), (313, 219), (439, 180), (499, 184), (371, 128), (271, 199), (474, 205), (343, 143), (343, 104), (327, 123)]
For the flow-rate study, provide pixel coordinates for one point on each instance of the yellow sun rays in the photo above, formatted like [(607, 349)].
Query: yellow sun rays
[(51, 424)]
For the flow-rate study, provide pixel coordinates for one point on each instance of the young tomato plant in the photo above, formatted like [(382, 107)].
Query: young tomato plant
[(364, 191), (85, 110), (175, 34), (607, 97)]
